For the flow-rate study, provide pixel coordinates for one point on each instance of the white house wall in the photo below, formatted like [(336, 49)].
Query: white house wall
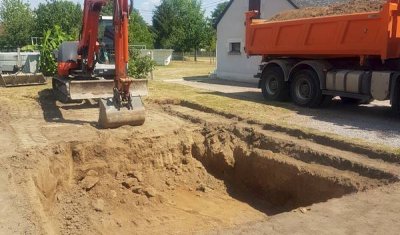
[(231, 29)]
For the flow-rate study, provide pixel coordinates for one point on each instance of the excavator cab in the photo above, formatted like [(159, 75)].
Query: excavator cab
[(106, 41)]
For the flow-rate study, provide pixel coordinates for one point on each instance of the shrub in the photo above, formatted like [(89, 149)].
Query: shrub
[(139, 66), (52, 39)]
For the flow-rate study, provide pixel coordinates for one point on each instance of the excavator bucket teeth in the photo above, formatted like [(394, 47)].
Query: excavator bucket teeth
[(111, 117), (22, 79), (94, 89)]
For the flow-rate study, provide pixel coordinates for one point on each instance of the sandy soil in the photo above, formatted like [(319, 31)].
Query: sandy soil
[(338, 216), (349, 7), (66, 176), (186, 170)]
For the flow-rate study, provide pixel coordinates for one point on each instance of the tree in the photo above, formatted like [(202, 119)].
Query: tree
[(180, 24), (63, 13), (210, 43), (195, 26), (52, 39), (108, 10), (139, 32), (218, 11), (166, 25), (18, 23)]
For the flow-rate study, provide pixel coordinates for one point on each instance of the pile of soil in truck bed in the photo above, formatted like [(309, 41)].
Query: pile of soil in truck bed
[(348, 7)]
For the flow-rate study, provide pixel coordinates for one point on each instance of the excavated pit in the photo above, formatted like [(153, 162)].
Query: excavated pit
[(205, 178)]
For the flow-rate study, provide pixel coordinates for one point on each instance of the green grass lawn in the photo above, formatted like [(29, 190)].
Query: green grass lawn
[(181, 69)]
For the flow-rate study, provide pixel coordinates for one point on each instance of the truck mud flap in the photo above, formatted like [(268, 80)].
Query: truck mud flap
[(96, 89), (22, 79)]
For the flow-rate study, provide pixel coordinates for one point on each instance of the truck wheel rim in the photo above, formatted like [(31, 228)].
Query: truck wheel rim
[(303, 89), (272, 85)]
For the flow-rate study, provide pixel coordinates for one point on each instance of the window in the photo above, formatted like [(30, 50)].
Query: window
[(234, 48), (254, 5)]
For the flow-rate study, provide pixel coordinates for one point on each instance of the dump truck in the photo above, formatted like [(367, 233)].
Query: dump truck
[(20, 69), (353, 56)]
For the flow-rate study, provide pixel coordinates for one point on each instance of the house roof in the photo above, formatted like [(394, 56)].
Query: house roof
[(295, 3)]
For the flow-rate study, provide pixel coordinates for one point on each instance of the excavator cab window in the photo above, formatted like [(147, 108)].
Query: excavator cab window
[(106, 40)]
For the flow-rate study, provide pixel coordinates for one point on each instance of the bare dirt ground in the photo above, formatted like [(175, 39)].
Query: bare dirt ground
[(338, 216), (184, 171), (189, 169), (66, 176)]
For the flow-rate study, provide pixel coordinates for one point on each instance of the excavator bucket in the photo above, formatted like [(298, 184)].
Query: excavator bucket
[(111, 117), (21, 79)]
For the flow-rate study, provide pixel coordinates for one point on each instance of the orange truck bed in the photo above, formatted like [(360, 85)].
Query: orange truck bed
[(357, 35)]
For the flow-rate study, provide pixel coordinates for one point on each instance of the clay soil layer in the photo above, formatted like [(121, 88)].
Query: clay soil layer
[(347, 7)]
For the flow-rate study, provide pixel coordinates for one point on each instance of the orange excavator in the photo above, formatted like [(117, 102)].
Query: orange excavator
[(82, 74)]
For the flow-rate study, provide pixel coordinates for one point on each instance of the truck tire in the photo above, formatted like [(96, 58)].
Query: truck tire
[(305, 89), (273, 85)]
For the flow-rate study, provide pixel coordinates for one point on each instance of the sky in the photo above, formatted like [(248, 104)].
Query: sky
[(146, 7)]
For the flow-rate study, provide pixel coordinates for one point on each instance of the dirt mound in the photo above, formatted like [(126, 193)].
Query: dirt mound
[(353, 6)]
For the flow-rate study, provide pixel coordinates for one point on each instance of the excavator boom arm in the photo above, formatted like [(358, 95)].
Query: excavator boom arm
[(88, 45)]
